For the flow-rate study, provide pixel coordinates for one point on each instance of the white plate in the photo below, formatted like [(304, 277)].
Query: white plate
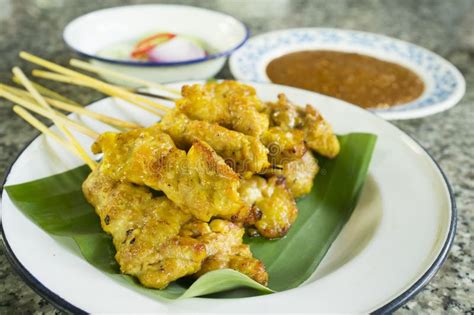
[(395, 241), (444, 84)]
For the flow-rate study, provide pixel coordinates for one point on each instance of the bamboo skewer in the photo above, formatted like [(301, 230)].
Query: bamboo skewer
[(77, 81), (95, 83), (27, 84), (101, 70), (41, 127), (48, 114), (45, 130), (47, 92), (15, 97), (59, 77), (76, 109), (150, 94), (103, 118)]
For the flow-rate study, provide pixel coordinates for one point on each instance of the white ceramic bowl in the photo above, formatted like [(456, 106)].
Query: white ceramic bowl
[(90, 33)]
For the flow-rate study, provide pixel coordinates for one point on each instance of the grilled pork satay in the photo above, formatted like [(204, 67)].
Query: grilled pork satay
[(198, 180), (274, 201), (235, 106), (225, 249), (318, 134), (145, 231), (284, 145), (245, 154), (158, 243), (229, 104), (299, 174)]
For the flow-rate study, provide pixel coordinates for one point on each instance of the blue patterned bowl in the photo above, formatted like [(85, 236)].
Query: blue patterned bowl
[(444, 84)]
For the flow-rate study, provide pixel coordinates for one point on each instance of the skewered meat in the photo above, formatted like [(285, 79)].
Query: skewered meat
[(230, 104), (245, 154), (284, 114), (273, 199), (235, 106), (198, 181), (200, 227), (284, 145), (157, 242), (145, 231), (318, 133), (300, 174), (224, 247)]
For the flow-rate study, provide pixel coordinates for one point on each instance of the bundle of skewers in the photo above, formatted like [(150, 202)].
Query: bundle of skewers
[(177, 197)]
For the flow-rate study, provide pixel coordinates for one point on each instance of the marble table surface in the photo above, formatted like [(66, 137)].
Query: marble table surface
[(445, 27)]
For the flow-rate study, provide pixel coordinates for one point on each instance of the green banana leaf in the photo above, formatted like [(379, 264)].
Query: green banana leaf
[(57, 205)]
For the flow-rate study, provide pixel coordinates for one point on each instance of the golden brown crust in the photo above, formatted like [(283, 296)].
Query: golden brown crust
[(199, 181), (211, 190), (144, 231), (228, 103), (157, 242), (212, 160), (225, 249), (242, 152), (283, 145), (274, 201), (300, 174), (318, 133)]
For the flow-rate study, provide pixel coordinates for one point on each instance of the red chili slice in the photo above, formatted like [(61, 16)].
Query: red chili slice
[(142, 48)]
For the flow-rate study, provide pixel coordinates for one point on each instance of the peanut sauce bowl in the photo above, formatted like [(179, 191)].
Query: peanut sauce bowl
[(395, 241), (443, 84)]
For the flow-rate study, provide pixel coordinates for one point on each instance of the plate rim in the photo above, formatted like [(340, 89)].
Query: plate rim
[(389, 307), (386, 114), (15, 263)]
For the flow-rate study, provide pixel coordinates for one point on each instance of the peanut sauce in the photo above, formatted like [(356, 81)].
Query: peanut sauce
[(357, 79)]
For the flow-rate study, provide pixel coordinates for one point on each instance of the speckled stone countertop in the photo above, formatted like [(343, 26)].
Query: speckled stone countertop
[(445, 27)]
